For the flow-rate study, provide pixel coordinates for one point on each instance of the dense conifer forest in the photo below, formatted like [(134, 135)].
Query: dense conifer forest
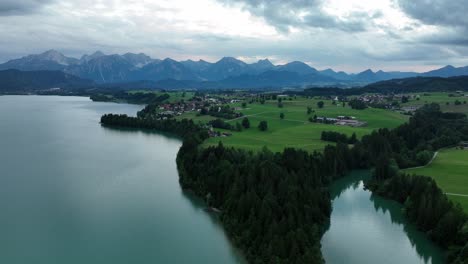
[(184, 128), (408, 145), (274, 205)]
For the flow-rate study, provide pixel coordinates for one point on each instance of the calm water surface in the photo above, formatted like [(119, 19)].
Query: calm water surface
[(366, 229), (72, 191)]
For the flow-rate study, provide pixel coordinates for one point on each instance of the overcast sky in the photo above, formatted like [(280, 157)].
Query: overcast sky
[(350, 35)]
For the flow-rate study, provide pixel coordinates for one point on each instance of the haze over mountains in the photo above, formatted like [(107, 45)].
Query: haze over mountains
[(227, 72)]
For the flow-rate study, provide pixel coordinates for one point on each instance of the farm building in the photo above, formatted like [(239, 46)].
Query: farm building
[(352, 123), (410, 108)]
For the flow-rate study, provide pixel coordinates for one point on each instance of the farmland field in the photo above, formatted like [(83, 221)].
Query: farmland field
[(295, 130), (175, 96), (450, 170), (442, 98)]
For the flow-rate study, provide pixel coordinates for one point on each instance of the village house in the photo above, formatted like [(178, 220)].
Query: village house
[(346, 117), (323, 119)]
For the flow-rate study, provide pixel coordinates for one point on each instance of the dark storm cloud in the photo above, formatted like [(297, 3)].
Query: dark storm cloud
[(450, 15), (303, 14), (412, 52), (354, 23), (456, 38), (20, 7), (437, 12)]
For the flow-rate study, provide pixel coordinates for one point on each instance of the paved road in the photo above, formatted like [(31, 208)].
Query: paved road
[(457, 194), (429, 163)]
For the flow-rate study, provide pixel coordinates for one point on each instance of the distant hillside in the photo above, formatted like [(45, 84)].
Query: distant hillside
[(447, 71), (276, 79), (407, 85), (421, 84), (15, 81)]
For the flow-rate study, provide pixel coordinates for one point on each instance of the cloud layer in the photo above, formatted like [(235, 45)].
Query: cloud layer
[(437, 12), (302, 14), (350, 35), (16, 7), (450, 16)]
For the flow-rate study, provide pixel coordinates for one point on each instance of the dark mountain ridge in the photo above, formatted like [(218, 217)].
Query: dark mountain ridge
[(395, 86), (15, 81), (228, 71)]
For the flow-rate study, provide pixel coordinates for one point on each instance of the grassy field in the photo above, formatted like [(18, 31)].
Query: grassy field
[(442, 99), (456, 108), (450, 170), (295, 130), (175, 96)]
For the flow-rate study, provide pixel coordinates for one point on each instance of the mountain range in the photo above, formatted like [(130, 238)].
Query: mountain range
[(226, 73)]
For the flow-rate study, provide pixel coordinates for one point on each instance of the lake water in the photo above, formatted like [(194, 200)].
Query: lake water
[(72, 191), (365, 228)]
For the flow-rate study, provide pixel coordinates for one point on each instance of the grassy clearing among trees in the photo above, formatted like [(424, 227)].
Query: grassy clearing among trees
[(450, 170)]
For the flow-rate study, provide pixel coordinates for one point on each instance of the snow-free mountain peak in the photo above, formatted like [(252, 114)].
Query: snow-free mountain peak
[(138, 60), (298, 67), (95, 55)]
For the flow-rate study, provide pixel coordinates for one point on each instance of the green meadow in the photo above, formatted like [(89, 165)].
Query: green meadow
[(450, 170), (442, 98), (295, 130), (175, 96)]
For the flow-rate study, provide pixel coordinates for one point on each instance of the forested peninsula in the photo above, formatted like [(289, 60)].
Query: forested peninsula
[(275, 206)]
